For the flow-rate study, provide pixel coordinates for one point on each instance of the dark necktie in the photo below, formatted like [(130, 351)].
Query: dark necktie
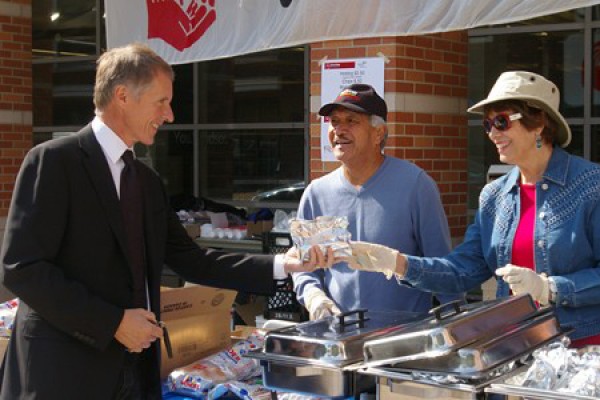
[(132, 210)]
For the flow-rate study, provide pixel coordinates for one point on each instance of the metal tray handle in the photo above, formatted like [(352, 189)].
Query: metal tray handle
[(437, 311), (360, 321)]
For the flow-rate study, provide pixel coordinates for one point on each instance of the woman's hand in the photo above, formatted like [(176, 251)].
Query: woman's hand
[(524, 280)]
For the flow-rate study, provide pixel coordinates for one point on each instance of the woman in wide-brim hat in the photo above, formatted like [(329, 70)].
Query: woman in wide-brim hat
[(537, 228)]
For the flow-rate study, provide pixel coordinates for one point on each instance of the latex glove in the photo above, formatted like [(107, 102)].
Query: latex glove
[(373, 258), (319, 305), (524, 280)]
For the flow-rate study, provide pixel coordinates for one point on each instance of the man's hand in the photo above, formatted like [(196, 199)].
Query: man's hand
[(317, 259), (524, 280), (138, 330), (373, 258), (318, 304)]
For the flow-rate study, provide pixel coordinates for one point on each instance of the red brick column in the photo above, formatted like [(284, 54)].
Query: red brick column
[(426, 93), (15, 95)]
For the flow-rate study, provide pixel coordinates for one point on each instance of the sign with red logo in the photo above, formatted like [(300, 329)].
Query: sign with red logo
[(180, 23), (183, 31), (335, 76)]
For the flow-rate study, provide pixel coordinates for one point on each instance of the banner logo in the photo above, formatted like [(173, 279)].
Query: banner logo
[(180, 23)]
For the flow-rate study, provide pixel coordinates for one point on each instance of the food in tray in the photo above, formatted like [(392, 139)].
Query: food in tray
[(325, 232), (557, 368)]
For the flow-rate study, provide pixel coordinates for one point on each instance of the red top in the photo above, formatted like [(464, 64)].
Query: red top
[(523, 245), (522, 252)]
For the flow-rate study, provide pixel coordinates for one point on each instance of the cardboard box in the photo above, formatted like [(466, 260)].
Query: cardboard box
[(198, 319), (257, 228), (193, 230), (3, 346)]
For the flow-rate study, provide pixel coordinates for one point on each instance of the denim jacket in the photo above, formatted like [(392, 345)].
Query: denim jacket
[(566, 240)]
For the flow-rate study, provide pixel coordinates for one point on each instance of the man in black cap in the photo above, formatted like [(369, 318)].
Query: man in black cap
[(387, 201)]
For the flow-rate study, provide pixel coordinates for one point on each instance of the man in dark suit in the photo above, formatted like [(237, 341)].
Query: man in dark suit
[(87, 324)]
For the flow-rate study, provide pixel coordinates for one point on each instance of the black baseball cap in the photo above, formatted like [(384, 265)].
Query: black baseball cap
[(358, 97)]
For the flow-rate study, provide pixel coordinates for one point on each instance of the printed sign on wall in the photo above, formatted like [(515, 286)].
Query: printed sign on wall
[(337, 74)]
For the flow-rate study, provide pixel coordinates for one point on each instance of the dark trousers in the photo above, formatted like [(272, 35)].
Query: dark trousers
[(130, 386)]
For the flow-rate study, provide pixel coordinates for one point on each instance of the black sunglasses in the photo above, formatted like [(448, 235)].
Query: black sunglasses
[(501, 122)]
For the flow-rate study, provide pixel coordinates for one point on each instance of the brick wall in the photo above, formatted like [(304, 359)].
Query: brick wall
[(15, 100), (15, 95), (426, 93)]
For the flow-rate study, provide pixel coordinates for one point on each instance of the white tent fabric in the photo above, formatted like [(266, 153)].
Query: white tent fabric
[(184, 31)]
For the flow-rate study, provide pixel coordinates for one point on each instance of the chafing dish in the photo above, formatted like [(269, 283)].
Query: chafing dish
[(312, 357), (457, 354), (471, 344), (476, 359), (393, 385), (447, 330), (511, 392)]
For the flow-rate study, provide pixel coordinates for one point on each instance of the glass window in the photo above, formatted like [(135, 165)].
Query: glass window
[(172, 156), (576, 145), (576, 15), (183, 94), (237, 165), (260, 87), (556, 55), (63, 93), (596, 73), (595, 153), (63, 28), (482, 154)]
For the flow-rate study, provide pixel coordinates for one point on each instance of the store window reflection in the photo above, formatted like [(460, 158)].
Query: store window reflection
[(595, 153), (183, 94), (260, 87), (576, 145), (595, 92), (63, 93), (172, 156), (556, 55), (64, 28), (238, 165)]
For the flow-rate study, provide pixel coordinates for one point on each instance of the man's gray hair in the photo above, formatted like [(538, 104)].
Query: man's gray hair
[(134, 65), (377, 121)]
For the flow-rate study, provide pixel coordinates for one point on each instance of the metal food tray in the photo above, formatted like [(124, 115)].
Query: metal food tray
[(393, 385), (519, 392), (311, 357), (441, 334), (477, 359), (331, 341)]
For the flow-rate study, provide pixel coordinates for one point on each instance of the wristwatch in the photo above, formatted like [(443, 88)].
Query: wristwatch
[(553, 290)]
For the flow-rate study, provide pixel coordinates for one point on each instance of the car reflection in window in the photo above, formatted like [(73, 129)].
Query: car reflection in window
[(292, 192)]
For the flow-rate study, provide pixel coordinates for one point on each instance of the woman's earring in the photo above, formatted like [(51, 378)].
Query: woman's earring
[(538, 142)]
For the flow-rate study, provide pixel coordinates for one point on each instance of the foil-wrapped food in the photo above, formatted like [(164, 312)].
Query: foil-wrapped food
[(561, 369), (325, 232)]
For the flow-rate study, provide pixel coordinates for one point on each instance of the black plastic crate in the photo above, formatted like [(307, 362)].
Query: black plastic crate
[(283, 304), (276, 242)]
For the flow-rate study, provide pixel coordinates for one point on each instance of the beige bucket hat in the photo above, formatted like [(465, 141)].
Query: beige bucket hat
[(536, 91)]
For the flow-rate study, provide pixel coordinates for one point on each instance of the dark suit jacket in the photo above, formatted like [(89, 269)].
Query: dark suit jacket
[(64, 256)]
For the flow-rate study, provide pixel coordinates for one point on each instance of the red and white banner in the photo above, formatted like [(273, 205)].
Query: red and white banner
[(193, 30)]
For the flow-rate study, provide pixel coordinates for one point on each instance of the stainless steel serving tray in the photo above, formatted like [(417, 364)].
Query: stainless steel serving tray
[(404, 386), (514, 392), (444, 332), (477, 359), (311, 357), (332, 341)]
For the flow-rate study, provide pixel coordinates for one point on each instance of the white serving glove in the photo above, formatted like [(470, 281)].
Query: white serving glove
[(524, 280), (318, 304), (373, 258)]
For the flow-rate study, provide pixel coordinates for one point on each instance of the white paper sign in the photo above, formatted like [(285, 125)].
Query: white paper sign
[(337, 74)]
